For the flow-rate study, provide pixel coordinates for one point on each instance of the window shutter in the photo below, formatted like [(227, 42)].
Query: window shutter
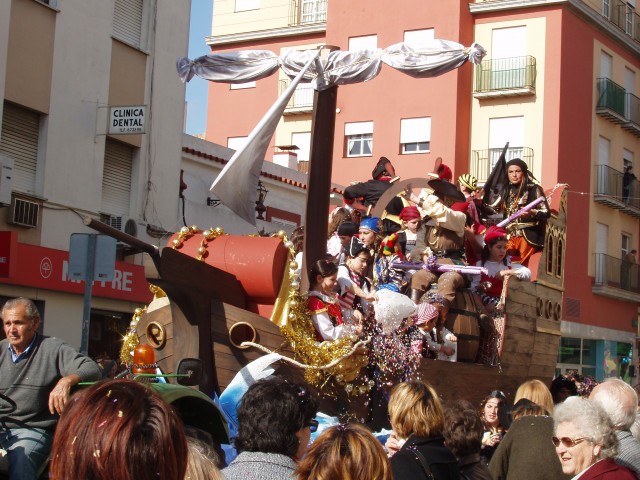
[(116, 178), (127, 21), (358, 128), (414, 130), (20, 132)]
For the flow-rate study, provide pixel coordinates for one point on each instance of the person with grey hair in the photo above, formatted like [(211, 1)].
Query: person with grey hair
[(620, 401), (36, 376), (586, 442)]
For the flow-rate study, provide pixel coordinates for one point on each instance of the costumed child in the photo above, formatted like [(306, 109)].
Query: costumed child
[(424, 322), (370, 233), (323, 304), (408, 235), (355, 289), (494, 258)]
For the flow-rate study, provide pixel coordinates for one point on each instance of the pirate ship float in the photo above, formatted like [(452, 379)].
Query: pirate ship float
[(226, 300)]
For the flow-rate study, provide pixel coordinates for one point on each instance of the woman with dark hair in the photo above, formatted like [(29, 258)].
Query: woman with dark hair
[(322, 302), (345, 452), (275, 422), (118, 429), (563, 387), (417, 420), (493, 429), (527, 232)]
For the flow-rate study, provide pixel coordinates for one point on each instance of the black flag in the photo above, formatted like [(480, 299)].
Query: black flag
[(497, 178)]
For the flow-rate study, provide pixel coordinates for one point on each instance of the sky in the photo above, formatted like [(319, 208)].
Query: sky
[(201, 14)]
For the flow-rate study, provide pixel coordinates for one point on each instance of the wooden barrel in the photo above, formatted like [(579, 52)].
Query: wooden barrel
[(462, 320)]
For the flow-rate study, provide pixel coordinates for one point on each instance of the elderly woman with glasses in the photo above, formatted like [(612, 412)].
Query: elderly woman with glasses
[(586, 442), (275, 422)]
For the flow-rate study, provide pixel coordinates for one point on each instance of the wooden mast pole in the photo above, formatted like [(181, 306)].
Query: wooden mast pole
[(319, 179)]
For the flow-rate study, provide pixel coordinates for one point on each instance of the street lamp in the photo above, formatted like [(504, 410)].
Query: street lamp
[(262, 194)]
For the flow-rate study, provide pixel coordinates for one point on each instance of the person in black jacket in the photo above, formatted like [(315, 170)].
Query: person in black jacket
[(417, 420), (362, 195)]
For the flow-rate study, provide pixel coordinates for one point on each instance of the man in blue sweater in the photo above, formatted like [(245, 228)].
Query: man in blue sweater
[(36, 376)]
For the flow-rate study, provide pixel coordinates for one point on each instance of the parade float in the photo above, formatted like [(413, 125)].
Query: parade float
[(229, 300)]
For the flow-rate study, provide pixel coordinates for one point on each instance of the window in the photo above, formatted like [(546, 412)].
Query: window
[(503, 130), (415, 135), (604, 147), (240, 86), (236, 143), (313, 11), (549, 245), (606, 65), (606, 9), (627, 158), (577, 354), (626, 244), (302, 140), (368, 42), (419, 37), (19, 140), (559, 254), (244, 5), (508, 55), (128, 23), (359, 139), (116, 179)]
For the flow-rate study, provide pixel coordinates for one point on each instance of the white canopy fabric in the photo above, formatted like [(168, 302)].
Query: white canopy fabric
[(429, 59)]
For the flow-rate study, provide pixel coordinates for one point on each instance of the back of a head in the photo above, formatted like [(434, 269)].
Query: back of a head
[(270, 413), (537, 392), (118, 429), (345, 452), (414, 408), (619, 400), (202, 462), (463, 428)]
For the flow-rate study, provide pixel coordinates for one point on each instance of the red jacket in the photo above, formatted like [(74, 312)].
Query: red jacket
[(607, 469)]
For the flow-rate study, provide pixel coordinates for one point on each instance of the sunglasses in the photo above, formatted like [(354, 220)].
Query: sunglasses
[(313, 425), (567, 441)]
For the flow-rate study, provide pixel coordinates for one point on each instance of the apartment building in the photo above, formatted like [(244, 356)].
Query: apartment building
[(559, 83), (91, 126)]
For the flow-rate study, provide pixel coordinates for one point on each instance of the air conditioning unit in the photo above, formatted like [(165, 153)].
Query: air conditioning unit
[(113, 221), (24, 213)]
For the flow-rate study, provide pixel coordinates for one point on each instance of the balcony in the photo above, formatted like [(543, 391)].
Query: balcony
[(616, 278), (501, 77), (611, 100), (610, 192), (483, 161), (633, 114), (302, 99), (307, 12)]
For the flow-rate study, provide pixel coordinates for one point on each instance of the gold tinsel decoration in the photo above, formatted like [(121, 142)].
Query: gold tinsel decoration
[(131, 340), (299, 332)]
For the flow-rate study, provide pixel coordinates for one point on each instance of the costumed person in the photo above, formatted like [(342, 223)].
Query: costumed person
[(444, 239), (431, 338), (337, 217), (527, 232), (370, 234), (324, 307), (384, 276), (411, 225), (468, 185), (444, 172), (494, 258), (473, 231), (355, 289), (362, 196), (344, 234), (627, 182)]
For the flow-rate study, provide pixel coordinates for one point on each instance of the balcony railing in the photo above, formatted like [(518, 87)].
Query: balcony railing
[(611, 100), (301, 100), (515, 75), (306, 12), (613, 191), (616, 273), (483, 161)]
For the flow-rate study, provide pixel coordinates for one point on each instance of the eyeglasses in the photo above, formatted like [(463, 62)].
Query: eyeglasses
[(567, 441), (313, 425)]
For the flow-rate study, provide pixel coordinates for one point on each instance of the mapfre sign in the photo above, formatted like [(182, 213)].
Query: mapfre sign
[(127, 120)]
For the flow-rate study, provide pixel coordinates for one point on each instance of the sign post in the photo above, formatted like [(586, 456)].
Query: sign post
[(91, 257)]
